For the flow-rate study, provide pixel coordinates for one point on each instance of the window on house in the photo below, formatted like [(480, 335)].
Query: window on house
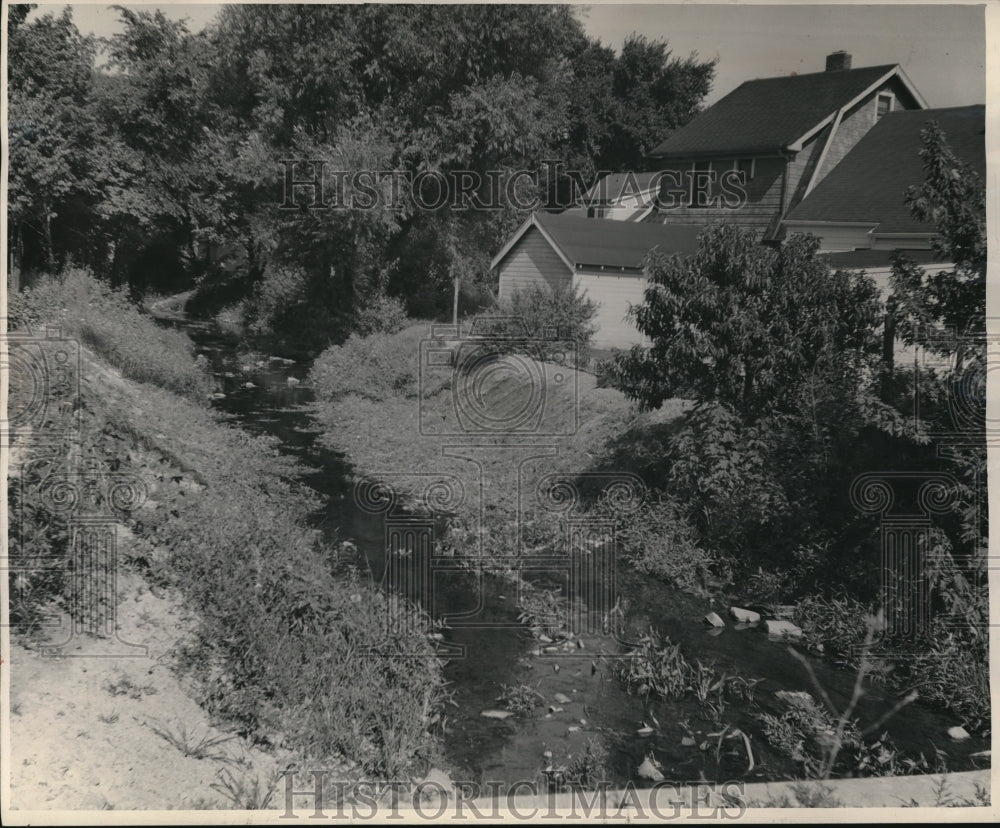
[(884, 106)]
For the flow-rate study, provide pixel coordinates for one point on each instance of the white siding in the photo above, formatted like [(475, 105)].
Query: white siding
[(835, 238), (613, 293), (531, 261)]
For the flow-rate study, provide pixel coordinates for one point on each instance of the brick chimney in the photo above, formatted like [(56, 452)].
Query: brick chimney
[(837, 61)]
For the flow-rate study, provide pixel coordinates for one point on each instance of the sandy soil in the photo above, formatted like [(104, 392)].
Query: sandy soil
[(84, 724)]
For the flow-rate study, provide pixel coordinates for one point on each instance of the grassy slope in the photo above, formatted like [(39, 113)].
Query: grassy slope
[(390, 434), (284, 649)]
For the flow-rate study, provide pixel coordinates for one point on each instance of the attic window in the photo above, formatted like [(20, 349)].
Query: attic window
[(884, 105)]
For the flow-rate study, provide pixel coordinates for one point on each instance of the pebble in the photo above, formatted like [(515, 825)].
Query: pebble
[(562, 698), (496, 714), (555, 709), (958, 733)]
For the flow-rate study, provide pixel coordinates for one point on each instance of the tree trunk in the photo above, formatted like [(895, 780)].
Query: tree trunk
[(50, 256), (14, 261), (888, 350)]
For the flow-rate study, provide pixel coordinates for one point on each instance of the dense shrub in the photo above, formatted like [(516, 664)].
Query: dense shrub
[(659, 541), (543, 315), (837, 627), (375, 367), (109, 323), (379, 314)]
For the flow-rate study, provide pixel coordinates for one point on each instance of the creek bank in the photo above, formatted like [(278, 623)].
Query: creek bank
[(215, 494), (353, 438)]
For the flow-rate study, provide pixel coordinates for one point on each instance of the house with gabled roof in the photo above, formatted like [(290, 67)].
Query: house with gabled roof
[(598, 257), (861, 205), (777, 139), (859, 211), (624, 196)]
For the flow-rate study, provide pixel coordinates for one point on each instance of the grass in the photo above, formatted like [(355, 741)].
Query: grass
[(374, 407), (283, 650), (107, 322), (246, 792), (126, 686), (521, 700), (190, 743), (656, 667)]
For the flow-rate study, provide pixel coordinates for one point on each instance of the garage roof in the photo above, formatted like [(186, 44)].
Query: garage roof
[(599, 242)]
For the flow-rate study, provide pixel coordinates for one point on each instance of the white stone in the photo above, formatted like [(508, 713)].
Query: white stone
[(713, 620), (496, 714), (958, 733), (649, 770), (784, 628), (744, 616)]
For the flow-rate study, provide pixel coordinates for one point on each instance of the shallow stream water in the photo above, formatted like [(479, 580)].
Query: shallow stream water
[(497, 651)]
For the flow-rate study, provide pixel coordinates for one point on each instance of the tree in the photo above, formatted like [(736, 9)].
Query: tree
[(654, 94), (946, 314), (937, 311), (746, 325), (51, 127)]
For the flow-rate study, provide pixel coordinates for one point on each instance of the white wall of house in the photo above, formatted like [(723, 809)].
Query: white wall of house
[(614, 293)]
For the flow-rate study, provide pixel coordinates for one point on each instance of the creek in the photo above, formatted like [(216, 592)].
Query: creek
[(271, 397)]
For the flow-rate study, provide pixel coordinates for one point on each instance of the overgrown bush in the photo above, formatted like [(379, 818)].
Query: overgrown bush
[(379, 314), (109, 323), (537, 315), (952, 672), (838, 627), (658, 540), (375, 367)]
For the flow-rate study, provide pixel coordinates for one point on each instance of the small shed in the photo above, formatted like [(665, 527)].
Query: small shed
[(599, 257)]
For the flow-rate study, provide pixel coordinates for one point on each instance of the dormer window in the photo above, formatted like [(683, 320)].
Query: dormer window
[(884, 106)]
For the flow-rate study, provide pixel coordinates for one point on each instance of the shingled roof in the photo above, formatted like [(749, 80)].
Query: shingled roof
[(764, 117), (594, 242), (870, 183), (614, 186)]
